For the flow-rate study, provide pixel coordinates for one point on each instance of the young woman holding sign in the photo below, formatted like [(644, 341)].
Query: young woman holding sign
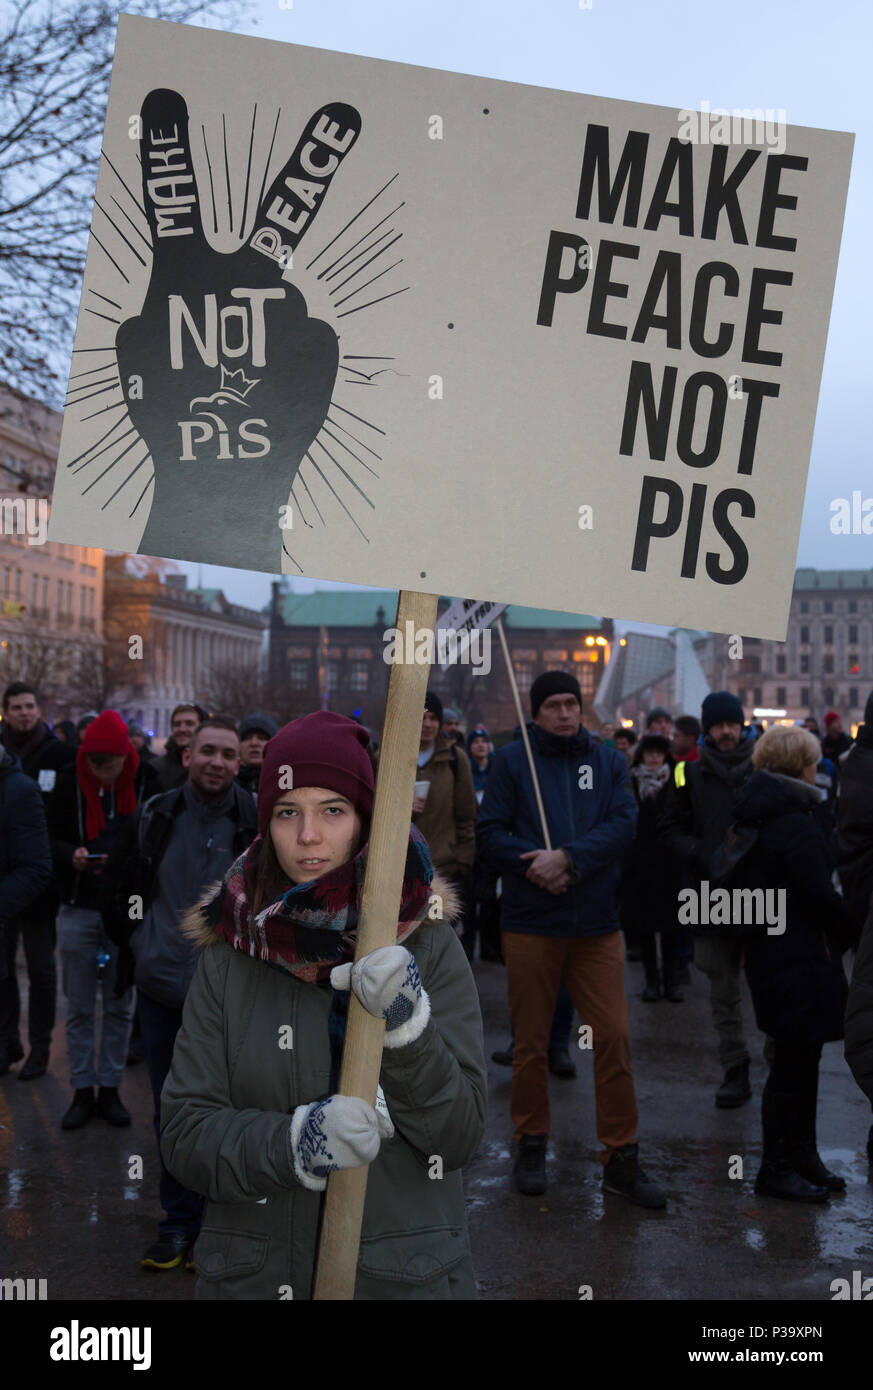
[(250, 1113)]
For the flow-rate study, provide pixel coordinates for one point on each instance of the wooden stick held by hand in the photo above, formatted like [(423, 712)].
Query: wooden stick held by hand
[(380, 909)]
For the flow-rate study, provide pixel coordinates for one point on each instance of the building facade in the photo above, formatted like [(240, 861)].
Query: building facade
[(169, 643), (328, 648), (51, 595), (826, 661)]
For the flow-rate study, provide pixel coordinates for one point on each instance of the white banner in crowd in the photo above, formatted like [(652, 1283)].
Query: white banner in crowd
[(384, 324)]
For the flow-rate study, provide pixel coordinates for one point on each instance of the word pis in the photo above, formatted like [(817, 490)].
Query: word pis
[(723, 907), (418, 645), (25, 516)]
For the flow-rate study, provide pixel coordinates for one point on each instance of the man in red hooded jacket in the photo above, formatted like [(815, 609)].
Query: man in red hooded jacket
[(92, 800)]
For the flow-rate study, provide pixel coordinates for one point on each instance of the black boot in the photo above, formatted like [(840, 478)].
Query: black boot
[(652, 992), (803, 1153), (504, 1058), (670, 962), (81, 1110), (560, 1062), (735, 1089), (110, 1107), (671, 988), (35, 1066), (777, 1176), (530, 1164), (624, 1175)]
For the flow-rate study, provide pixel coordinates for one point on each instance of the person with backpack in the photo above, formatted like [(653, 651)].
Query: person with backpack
[(793, 965), (697, 812), (178, 843)]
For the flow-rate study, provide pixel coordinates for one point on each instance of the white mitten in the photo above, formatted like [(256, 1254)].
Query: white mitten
[(388, 985), (339, 1132)]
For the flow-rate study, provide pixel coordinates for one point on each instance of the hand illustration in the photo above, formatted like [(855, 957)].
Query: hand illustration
[(228, 379)]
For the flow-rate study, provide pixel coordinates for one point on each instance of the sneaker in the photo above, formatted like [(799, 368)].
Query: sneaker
[(503, 1059), (36, 1065), (735, 1089), (530, 1164), (81, 1110), (167, 1252), (110, 1107), (10, 1053), (560, 1062), (779, 1179), (624, 1176)]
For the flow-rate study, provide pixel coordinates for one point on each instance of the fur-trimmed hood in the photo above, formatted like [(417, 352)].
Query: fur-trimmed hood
[(444, 905)]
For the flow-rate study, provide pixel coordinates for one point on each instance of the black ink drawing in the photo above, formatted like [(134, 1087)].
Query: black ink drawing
[(224, 379)]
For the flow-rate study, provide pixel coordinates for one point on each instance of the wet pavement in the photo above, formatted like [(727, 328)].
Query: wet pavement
[(71, 1213)]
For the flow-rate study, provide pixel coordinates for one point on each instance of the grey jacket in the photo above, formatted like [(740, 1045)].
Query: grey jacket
[(200, 850), (226, 1126)]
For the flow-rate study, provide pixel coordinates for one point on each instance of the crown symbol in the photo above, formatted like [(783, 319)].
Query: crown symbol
[(236, 384)]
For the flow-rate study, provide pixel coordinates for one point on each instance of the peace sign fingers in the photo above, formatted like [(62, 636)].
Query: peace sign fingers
[(168, 183), (292, 200)]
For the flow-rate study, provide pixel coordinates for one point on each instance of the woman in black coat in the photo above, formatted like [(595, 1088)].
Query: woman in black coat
[(793, 965), (647, 899)]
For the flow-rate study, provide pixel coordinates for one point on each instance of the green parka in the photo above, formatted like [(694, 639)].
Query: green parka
[(226, 1125)]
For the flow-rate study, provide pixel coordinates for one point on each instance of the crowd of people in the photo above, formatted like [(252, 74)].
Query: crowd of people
[(210, 895)]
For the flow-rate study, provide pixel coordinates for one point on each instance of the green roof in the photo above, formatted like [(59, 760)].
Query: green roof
[(357, 608), (833, 579)]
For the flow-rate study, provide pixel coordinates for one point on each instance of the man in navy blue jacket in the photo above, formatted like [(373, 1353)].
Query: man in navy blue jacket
[(559, 921)]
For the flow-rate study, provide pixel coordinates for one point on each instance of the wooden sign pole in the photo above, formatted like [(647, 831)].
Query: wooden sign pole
[(526, 741), (380, 909)]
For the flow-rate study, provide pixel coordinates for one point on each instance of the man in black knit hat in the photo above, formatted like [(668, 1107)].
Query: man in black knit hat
[(697, 815), (559, 922)]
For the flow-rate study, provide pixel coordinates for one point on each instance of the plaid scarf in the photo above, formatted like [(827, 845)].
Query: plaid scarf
[(311, 927)]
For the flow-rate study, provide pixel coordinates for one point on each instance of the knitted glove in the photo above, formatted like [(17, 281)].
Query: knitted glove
[(388, 985), (339, 1132)]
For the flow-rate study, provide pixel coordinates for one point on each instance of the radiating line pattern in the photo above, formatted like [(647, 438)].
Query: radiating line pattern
[(336, 470)]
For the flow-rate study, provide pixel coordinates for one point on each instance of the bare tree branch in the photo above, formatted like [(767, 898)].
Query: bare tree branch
[(55, 63)]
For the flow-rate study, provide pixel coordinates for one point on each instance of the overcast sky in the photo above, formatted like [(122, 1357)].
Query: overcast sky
[(809, 59)]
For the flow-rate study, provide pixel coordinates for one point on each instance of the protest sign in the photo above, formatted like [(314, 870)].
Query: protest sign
[(456, 625), (330, 299)]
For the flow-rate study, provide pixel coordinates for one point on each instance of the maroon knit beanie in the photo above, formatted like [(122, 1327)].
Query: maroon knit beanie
[(322, 750)]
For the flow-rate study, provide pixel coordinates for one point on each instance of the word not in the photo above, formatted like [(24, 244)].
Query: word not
[(26, 1289), (859, 513), (741, 126), (102, 1344), (840, 1288), (724, 907), (417, 646), (25, 516)]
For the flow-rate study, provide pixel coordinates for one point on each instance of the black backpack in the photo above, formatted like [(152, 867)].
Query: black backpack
[(737, 843)]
